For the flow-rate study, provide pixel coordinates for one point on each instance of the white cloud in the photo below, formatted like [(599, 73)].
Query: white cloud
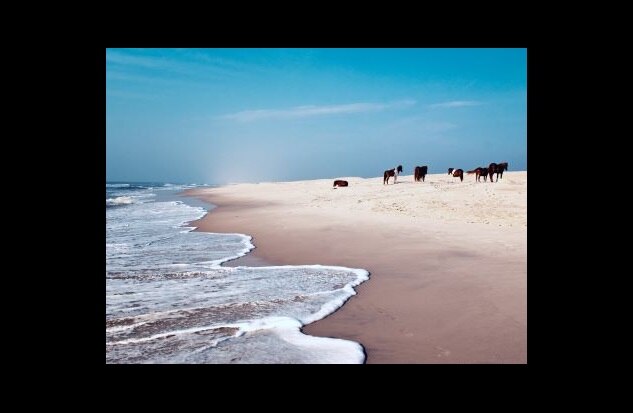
[(113, 56), (186, 63), (455, 104), (307, 111)]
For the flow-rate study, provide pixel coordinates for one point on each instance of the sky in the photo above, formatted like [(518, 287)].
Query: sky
[(220, 116)]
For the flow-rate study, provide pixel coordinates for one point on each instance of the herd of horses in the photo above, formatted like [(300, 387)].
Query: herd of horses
[(420, 172), (493, 168)]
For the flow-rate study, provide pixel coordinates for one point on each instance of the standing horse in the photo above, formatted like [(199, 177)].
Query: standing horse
[(503, 166), (492, 168), (419, 172), (458, 173), (391, 172), (479, 172), (450, 171)]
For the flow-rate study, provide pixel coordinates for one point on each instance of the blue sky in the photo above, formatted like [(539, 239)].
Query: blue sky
[(253, 115)]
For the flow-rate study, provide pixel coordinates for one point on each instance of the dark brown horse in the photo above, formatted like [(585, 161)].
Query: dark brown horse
[(450, 171), (458, 173), (340, 182), (391, 172), (419, 172), (479, 172), (492, 168), (498, 169), (503, 166)]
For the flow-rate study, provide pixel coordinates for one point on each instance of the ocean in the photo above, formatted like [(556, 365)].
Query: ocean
[(169, 299)]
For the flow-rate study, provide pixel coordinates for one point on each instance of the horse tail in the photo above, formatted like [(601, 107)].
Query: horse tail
[(385, 177)]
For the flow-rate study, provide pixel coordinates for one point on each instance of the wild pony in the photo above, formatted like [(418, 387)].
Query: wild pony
[(492, 168), (420, 172), (450, 171), (503, 166), (479, 172), (458, 173), (391, 172), (498, 169), (340, 182)]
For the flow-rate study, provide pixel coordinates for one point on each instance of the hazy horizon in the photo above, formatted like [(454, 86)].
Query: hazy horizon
[(251, 115)]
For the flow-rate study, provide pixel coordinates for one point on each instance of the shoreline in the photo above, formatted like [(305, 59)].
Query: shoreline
[(447, 285)]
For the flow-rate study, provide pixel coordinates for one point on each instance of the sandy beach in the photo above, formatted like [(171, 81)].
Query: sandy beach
[(448, 259)]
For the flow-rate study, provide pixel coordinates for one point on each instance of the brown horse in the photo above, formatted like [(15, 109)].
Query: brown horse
[(492, 168), (450, 171), (391, 172), (340, 182), (498, 169), (419, 172), (503, 166), (458, 173), (479, 172)]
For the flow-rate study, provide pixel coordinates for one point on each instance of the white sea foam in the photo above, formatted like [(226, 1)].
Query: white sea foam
[(120, 200), (168, 300)]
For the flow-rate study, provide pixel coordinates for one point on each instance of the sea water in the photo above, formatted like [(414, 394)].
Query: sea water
[(169, 300)]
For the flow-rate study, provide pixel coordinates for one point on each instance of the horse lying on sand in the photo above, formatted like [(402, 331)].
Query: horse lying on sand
[(340, 182), (419, 172), (391, 172)]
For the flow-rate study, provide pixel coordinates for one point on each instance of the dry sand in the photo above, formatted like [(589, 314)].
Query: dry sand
[(448, 259)]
